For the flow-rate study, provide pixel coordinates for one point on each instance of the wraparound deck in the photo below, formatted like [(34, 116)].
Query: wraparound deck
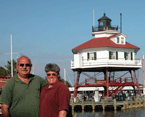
[(106, 63)]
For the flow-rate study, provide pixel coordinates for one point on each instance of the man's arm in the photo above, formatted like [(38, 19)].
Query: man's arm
[(43, 82), (5, 111), (62, 113)]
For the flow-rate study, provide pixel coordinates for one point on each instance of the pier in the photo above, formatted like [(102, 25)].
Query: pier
[(106, 104), (134, 102)]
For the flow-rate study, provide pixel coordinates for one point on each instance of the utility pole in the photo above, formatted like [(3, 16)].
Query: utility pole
[(11, 55)]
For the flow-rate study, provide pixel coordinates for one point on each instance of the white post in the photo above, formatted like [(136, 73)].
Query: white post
[(143, 77), (64, 76), (11, 57), (96, 95), (33, 67)]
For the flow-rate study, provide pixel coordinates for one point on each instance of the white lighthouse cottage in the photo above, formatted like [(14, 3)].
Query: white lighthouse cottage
[(107, 52)]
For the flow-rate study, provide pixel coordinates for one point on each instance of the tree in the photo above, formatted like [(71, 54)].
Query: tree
[(8, 67), (3, 71), (67, 83)]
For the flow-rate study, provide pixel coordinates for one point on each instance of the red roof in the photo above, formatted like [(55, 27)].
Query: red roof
[(114, 35), (103, 42)]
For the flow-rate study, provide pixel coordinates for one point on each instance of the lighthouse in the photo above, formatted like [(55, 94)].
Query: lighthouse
[(108, 53)]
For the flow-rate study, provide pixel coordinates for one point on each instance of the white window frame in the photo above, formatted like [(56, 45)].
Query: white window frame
[(117, 39), (91, 56), (122, 40), (113, 54), (128, 56)]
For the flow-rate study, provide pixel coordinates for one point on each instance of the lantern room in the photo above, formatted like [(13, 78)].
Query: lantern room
[(104, 23)]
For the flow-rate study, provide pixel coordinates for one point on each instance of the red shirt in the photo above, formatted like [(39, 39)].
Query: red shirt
[(54, 99)]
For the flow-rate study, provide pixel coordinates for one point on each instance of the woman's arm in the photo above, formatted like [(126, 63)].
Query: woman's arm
[(62, 113)]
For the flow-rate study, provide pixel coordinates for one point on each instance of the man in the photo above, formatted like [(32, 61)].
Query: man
[(55, 96), (20, 94)]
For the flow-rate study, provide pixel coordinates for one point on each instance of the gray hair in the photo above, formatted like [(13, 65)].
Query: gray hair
[(52, 67)]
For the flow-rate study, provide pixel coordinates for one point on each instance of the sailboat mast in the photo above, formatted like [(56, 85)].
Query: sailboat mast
[(11, 57), (33, 67), (64, 76)]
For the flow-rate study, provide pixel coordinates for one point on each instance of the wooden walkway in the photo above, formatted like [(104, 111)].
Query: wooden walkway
[(127, 104), (133, 103)]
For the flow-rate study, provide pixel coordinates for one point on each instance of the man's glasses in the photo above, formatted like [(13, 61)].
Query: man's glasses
[(53, 74), (27, 65)]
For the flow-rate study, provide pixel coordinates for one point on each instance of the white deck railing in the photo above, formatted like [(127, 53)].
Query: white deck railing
[(84, 63)]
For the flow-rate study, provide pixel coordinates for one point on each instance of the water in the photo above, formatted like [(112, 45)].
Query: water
[(136, 112)]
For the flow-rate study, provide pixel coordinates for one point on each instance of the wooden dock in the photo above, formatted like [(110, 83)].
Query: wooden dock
[(132, 103), (124, 105)]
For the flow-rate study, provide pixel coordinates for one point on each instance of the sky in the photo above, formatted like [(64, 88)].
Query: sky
[(47, 30)]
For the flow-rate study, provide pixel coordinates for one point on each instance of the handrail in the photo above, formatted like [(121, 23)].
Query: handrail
[(117, 79), (128, 80)]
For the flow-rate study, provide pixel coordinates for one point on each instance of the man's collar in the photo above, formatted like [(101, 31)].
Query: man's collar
[(30, 77)]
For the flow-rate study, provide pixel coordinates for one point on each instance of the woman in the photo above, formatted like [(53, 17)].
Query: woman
[(55, 96)]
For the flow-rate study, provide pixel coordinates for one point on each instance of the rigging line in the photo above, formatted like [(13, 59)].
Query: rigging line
[(118, 74), (88, 75), (99, 74), (69, 78)]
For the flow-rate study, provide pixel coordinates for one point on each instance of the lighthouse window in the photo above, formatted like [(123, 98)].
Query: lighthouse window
[(108, 23), (101, 23), (88, 56), (95, 56), (112, 55), (131, 56), (92, 56), (117, 39), (122, 40), (116, 55), (127, 55)]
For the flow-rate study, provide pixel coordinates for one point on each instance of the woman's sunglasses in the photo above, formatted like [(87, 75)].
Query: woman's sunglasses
[(53, 74)]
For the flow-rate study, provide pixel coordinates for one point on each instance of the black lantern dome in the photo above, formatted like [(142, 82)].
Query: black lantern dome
[(104, 23)]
